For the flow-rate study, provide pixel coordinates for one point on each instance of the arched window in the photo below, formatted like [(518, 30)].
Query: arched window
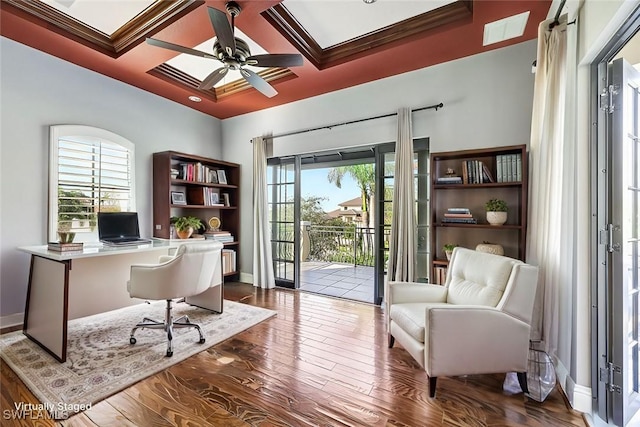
[(90, 170)]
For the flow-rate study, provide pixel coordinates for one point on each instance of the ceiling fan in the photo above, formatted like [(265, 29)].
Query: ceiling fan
[(234, 53)]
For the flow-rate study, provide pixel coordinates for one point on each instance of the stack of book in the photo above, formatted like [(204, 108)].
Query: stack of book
[(509, 167), (220, 236), (458, 216), (444, 180), (65, 247), (205, 196), (476, 172), (228, 261)]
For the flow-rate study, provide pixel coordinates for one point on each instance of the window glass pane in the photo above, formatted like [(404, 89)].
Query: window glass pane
[(389, 164), (89, 174)]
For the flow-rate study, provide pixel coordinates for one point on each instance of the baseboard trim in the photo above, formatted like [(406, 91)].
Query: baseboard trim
[(246, 278), (579, 396), (11, 320)]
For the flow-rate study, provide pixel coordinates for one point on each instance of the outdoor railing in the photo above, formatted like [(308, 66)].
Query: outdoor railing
[(348, 244)]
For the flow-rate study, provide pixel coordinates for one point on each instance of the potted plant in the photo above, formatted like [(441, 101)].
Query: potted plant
[(186, 225), (496, 211), (448, 249)]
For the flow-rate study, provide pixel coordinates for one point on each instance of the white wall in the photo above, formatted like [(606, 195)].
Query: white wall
[(38, 90), (487, 102)]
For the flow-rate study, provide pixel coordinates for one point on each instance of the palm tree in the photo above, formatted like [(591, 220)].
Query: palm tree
[(364, 175)]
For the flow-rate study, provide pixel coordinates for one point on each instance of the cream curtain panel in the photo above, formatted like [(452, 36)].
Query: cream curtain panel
[(402, 241), (263, 276), (552, 207)]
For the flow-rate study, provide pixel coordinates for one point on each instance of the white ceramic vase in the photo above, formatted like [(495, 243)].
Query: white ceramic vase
[(496, 218)]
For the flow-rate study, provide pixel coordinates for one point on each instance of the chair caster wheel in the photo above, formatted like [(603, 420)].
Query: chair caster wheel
[(169, 353), (201, 341), (132, 340)]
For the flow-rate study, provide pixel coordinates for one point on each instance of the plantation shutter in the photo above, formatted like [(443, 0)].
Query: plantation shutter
[(93, 175)]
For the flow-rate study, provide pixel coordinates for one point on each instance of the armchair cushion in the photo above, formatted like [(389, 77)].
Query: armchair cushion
[(478, 278), (410, 317)]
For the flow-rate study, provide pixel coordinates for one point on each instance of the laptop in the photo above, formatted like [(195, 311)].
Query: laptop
[(119, 229)]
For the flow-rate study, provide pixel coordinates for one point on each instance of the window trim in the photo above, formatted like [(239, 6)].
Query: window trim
[(91, 134)]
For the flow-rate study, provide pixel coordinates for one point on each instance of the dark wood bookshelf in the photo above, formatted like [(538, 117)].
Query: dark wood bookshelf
[(164, 184), (511, 235)]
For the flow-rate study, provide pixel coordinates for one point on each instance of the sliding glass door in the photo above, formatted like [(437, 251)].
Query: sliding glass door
[(385, 166)]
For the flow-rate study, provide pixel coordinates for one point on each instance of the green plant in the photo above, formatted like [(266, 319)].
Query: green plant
[(496, 205), (449, 247), (183, 223), (73, 205)]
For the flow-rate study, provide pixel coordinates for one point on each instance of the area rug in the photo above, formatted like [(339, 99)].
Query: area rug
[(100, 360)]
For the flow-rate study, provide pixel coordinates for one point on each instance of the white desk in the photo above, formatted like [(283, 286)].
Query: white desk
[(65, 286)]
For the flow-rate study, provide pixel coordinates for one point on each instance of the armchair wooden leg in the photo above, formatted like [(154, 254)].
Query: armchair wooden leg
[(522, 380), (432, 386), (392, 340)]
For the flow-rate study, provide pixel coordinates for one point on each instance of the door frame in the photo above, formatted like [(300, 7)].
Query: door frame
[(600, 161)]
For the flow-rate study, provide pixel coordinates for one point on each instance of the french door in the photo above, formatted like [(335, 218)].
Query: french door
[(619, 251), (284, 207), (285, 196)]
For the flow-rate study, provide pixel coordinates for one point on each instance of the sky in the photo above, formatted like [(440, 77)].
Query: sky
[(314, 182)]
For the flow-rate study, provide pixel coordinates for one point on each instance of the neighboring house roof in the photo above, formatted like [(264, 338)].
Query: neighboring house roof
[(337, 213), (357, 202)]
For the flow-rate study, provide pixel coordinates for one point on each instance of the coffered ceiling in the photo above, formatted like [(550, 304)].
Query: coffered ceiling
[(343, 42)]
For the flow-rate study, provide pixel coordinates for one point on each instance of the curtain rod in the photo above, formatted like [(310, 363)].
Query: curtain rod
[(556, 19), (435, 107)]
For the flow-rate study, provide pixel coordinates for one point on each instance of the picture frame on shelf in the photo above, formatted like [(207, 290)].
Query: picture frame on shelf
[(222, 176), (225, 199), (215, 198), (178, 198)]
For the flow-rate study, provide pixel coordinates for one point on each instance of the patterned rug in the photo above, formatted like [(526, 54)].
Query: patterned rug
[(100, 360)]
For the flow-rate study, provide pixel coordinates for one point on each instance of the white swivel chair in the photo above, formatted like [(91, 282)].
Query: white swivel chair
[(477, 323), (189, 271)]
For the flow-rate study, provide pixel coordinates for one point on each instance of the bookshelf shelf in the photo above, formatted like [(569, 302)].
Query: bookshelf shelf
[(476, 168), (488, 226)]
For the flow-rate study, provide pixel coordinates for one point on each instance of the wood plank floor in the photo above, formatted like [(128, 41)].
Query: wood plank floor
[(319, 362)]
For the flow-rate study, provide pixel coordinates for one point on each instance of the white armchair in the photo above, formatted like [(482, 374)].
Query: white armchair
[(477, 323), (190, 271)]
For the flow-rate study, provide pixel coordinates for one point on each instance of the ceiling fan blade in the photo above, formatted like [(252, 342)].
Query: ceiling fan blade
[(276, 60), (213, 78), (223, 30), (178, 48), (259, 83)]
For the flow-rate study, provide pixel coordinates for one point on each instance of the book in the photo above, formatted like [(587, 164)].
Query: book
[(449, 180), (460, 220), (65, 247), (458, 210), (458, 215), (486, 174)]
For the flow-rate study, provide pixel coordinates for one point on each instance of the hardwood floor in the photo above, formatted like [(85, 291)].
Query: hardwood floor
[(319, 362)]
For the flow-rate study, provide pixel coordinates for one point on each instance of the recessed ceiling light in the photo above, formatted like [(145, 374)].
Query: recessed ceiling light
[(505, 29), (195, 98), (369, 1)]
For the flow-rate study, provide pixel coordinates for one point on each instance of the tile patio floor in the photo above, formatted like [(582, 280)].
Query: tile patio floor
[(338, 280)]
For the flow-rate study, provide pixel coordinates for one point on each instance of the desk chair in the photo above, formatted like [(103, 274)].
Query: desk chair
[(189, 272), (477, 323)]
